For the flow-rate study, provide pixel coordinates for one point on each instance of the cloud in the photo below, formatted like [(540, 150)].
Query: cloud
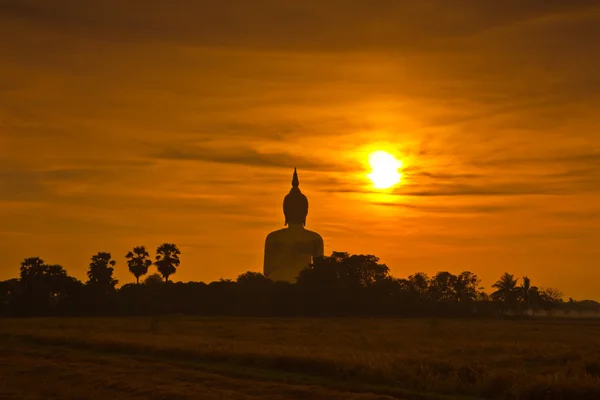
[(242, 156), (418, 172), (452, 208), (582, 159), (577, 172), (14, 189), (34, 185), (309, 25), (487, 190), (590, 216)]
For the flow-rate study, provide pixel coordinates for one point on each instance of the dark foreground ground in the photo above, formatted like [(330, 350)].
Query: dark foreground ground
[(227, 358)]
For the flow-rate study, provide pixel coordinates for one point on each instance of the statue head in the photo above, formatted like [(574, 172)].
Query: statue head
[(295, 204)]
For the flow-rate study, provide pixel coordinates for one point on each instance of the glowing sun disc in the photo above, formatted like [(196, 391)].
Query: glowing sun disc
[(384, 170)]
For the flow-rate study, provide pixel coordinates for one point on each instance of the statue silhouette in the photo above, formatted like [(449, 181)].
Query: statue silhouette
[(290, 250)]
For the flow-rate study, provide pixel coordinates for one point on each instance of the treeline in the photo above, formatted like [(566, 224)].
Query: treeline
[(337, 285)]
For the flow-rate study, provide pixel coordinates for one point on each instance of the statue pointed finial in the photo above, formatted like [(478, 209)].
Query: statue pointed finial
[(295, 181), (295, 204)]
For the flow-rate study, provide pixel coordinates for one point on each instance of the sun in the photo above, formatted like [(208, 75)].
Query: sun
[(384, 170)]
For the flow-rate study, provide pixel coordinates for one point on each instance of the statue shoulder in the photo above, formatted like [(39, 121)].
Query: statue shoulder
[(318, 245), (274, 235), (315, 235)]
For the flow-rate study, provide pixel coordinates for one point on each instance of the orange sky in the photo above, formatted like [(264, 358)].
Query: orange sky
[(143, 122)]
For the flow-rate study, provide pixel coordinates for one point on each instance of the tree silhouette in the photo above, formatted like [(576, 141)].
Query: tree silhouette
[(447, 287), (339, 285), (549, 299), (442, 287), (419, 285), (100, 273), (138, 262), (153, 279), (252, 278), (44, 287), (8, 291), (167, 259), (570, 306), (528, 295), (467, 287), (356, 270), (30, 268), (506, 290)]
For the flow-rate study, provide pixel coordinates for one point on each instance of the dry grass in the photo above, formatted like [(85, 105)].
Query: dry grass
[(545, 359)]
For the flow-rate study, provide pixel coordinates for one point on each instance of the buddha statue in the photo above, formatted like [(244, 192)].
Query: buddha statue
[(290, 250)]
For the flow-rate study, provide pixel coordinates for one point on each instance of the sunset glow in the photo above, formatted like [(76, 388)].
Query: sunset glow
[(469, 142)]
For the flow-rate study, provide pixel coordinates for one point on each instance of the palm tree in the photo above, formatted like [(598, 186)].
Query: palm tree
[(167, 259), (31, 267), (506, 290), (525, 293), (138, 262)]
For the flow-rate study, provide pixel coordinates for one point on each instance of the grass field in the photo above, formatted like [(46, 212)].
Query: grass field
[(234, 358)]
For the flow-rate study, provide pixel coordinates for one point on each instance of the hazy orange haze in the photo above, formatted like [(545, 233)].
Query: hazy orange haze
[(127, 123)]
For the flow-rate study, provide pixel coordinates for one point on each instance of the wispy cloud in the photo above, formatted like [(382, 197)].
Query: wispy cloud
[(516, 189), (576, 160), (242, 156), (242, 24), (452, 208)]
